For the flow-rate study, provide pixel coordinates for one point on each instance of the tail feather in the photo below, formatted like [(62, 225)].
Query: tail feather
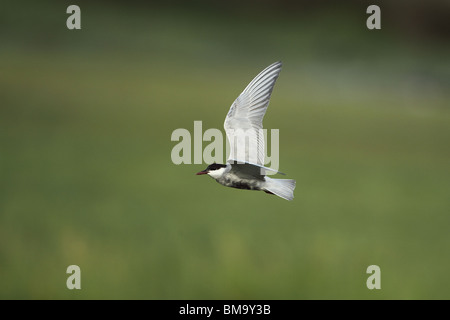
[(283, 188)]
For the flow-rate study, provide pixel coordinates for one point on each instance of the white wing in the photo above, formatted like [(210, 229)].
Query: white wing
[(243, 123)]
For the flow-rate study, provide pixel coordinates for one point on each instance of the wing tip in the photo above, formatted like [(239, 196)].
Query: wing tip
[(278, 63)]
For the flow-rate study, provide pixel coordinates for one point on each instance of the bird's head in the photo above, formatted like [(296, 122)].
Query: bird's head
[(214, 170)]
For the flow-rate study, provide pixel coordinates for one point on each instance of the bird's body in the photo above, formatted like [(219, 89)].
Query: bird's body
[(243, 126), (230, 177)]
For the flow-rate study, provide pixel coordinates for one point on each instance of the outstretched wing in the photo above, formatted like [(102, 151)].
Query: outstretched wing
[(243, 124)]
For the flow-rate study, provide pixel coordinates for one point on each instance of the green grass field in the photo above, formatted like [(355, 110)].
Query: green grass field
[(86, 176)]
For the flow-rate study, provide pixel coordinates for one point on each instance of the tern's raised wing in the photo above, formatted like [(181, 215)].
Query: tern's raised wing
[(243, 123)]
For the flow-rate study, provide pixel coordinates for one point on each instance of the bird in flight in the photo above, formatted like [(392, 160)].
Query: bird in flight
[(243, 125)]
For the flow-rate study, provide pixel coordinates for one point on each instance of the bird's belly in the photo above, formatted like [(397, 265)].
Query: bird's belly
[(240, 183)]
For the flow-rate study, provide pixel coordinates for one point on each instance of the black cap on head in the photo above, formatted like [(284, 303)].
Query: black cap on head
[(215, 166)]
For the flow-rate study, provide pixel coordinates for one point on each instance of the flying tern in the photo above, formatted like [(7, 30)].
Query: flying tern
[(243, 125)]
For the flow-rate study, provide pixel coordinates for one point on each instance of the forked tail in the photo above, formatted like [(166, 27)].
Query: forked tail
[(283, 188)]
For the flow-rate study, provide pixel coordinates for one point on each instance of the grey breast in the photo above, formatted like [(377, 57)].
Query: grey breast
[(243, 176)]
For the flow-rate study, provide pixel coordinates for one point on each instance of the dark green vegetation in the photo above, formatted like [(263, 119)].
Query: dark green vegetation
[(86, 176)]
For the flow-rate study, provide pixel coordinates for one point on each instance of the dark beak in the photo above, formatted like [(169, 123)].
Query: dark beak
[(202, 172)]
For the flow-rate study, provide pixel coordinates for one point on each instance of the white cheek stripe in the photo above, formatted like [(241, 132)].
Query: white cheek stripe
[(217, 173)]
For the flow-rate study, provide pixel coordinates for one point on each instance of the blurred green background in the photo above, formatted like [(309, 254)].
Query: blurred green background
[(86, 176)]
